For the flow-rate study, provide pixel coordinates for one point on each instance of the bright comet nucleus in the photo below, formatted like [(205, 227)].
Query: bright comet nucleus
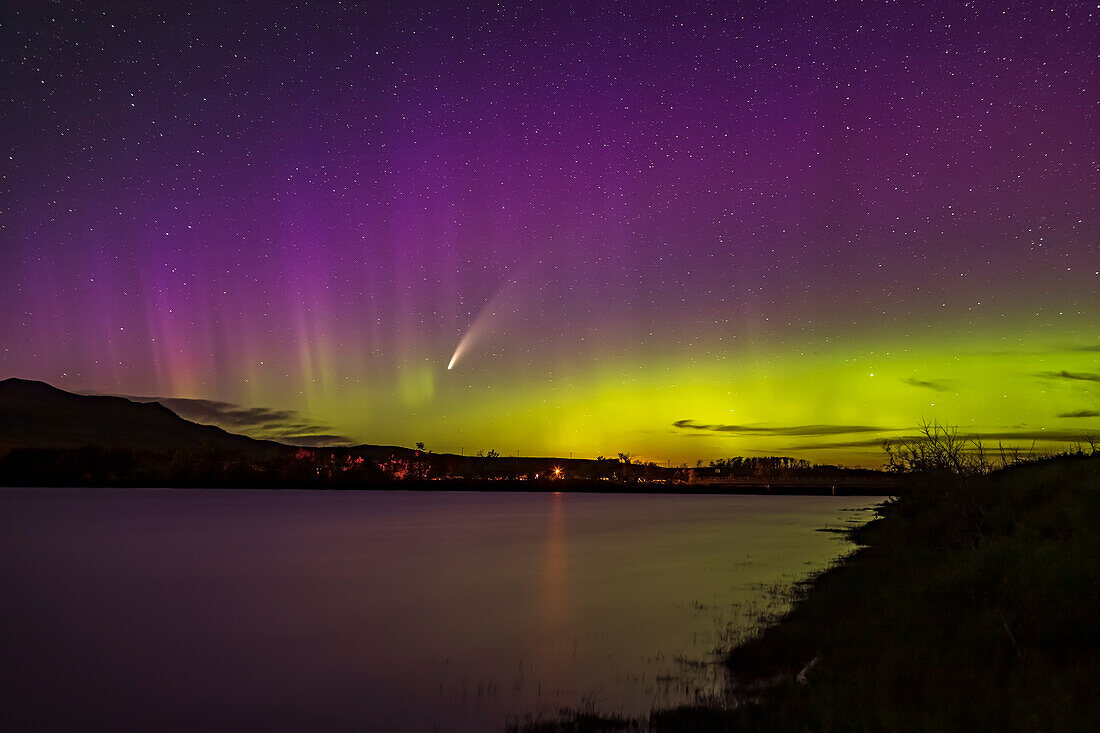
[(490, 319), (460, 348)]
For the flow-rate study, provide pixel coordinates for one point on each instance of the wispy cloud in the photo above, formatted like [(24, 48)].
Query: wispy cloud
[(791, 430), (285, 426), (865, 443), (1080, 413), (315, 441), (936, 386), (1033, 434), (989, 439), (1077, 376)]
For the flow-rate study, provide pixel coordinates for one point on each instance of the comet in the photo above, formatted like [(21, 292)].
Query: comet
[(486, 320), (477, 328)]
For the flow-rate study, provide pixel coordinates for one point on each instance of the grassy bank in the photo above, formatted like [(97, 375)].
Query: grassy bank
[(971, 606)]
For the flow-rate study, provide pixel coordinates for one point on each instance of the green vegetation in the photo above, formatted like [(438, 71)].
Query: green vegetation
[(971, 606)]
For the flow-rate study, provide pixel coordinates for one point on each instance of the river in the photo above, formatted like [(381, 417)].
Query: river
[(151, 609)]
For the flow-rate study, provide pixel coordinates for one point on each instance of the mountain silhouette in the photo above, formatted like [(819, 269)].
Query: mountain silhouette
[(36, 415)]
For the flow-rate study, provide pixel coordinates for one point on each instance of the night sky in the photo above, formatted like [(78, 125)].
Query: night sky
[(678, 230)]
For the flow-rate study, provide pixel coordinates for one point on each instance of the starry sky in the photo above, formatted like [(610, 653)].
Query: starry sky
[(685, 231)]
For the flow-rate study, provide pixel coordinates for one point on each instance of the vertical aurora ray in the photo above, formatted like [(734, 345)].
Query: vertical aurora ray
[(731, 219)]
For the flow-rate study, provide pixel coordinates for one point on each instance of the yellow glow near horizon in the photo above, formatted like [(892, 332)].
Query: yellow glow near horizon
[(834, 406)]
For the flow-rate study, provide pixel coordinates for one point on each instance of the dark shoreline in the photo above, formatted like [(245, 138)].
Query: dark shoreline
[(970, 605), (788, 488)]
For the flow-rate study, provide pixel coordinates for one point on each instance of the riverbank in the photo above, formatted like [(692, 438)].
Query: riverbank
[(970, 606)]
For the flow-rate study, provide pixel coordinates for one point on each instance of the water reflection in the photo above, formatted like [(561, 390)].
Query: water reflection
[(554, 629)]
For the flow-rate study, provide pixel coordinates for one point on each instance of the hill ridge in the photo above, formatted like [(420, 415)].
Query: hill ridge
[(36, 414)]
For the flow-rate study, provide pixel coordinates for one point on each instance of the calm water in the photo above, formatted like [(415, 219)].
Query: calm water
[(233, 610)]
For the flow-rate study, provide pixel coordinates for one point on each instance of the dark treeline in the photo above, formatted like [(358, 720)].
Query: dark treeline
[(381, 467), (781, 467), (290, 466)]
